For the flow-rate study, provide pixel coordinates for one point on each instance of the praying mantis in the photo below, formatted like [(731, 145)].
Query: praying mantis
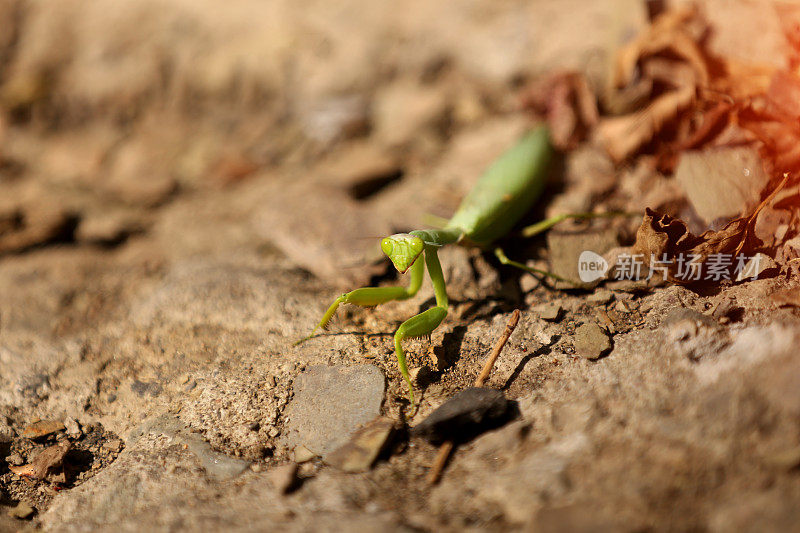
[(502, 195)]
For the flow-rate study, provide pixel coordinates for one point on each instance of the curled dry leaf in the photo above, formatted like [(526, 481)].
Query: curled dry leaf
[(47, 465), (622, 136), (664, 238), (674, 33)]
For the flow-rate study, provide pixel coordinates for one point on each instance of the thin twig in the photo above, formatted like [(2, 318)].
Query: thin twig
[(498, 347), (441, 459), (447, 446)]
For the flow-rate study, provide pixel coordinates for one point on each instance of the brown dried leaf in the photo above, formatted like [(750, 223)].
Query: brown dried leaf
[(41, 428), (662, 236), (47, 462), (670, 34), (622, 136)]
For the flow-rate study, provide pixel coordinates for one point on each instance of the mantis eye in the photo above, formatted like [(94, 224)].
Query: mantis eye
[(403, 249)]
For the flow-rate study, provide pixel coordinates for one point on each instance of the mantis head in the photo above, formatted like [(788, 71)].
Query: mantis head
[(403, 249)]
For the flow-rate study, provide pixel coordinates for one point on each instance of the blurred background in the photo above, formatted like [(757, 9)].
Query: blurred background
[(186, 184)]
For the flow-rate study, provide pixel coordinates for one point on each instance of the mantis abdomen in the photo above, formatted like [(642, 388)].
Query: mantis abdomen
[(506, 191)]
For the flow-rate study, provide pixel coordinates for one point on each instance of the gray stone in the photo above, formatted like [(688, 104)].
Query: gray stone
[(330, 403), (591, 341), (465, 415), (73, 428)]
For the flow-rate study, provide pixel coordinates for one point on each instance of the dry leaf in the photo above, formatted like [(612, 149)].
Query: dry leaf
[(48, 464), (622, 136), (673, 33), (664, 238), (41, 428)]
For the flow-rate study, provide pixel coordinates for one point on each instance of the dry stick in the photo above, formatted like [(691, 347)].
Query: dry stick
[(447, 446)]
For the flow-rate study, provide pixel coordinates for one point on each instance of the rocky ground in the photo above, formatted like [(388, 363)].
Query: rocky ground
[(186, 186)]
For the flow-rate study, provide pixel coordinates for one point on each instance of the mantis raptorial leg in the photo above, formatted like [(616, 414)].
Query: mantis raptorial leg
[(423, 324), (372, 296)]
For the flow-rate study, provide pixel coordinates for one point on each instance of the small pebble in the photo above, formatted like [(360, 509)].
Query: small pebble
[(15, 459), (549, 311), (362, 450), (42, 429), (591, 341), (623, 306), (545, 338), (600, 296), (284, 477), (113, 445), (758, 267), (73, 428)]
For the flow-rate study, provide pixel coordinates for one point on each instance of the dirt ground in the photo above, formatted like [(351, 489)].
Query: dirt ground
[(186, 185)]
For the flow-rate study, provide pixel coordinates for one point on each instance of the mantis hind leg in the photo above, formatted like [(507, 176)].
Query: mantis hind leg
[(544, 225), (372, 296), (503, 258)]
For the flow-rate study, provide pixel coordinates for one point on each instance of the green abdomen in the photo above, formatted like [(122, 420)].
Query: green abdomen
[(506, 191)]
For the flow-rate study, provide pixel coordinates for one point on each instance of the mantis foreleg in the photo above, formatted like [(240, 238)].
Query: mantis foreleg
[(372, 296), (424, 323)]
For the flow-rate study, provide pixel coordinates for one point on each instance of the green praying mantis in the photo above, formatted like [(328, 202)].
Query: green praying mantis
[(500, 198)]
